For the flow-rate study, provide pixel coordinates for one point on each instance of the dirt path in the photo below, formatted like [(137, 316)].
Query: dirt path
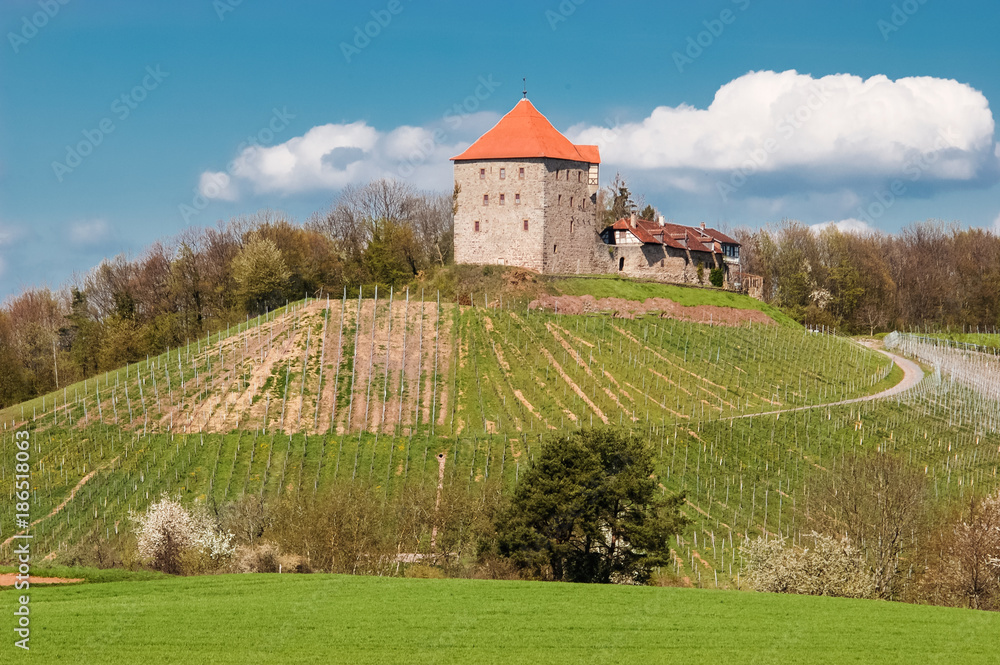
[(8, 579), (912, 375), (83, 481)]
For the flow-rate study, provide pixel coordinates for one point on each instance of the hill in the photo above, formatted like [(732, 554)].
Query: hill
[(350, 619)]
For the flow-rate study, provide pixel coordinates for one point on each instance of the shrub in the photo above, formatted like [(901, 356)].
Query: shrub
[(262, 558), (167, 531), (831, 568), (717, 277)]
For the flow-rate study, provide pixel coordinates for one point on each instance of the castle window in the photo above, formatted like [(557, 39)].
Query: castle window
[(486, 199), (525, 225), (503, 174), (571, 226), (501, 199), (571, 202), (476, 225), (520, 173), (517, 199), (555, 248), (559, 200), (557, 174), (579, 176), (482, 174)]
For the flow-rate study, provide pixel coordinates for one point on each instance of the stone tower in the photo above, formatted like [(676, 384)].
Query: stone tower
[(527, 197)]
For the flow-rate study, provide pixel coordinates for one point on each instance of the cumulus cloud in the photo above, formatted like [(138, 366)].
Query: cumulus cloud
[(787, 130), (851, 225), (332, 156), (89, 233)]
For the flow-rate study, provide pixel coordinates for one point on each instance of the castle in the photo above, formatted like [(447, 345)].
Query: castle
[(527, 196)]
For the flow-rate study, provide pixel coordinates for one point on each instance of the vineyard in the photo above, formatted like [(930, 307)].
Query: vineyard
[(400, 388)]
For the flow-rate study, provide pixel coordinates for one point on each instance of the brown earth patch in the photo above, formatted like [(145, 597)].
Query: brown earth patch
[(8, 579), (710, 314)]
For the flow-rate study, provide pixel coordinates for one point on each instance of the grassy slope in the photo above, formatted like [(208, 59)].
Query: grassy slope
[(616, 287), (337, 619)]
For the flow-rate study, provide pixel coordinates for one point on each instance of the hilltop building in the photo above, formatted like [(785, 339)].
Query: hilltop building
[(527, 196)]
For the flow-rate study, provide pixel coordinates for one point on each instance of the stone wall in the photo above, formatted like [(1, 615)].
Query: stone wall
[(501, 237), (662, 263), (570, 219), (556, 198)]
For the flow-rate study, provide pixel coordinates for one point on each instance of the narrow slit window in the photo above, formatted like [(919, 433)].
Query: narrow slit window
[(520, 173), (501, 199), (486, 199), (525, 225), (476, 225), (517, 199), (503, 174), (482, 174)]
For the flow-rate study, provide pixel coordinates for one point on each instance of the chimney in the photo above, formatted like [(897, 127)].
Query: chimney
[(634, 220), (703, 226), (662, 221)]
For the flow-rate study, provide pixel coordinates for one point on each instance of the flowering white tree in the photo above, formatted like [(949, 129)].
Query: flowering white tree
[(831, 568), (166, 530)]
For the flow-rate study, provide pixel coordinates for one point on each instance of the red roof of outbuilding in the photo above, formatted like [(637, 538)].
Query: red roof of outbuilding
[(675, 235), (524, 132)]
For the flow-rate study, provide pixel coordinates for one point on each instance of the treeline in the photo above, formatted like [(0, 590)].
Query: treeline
[(929, 274), (205, 279)]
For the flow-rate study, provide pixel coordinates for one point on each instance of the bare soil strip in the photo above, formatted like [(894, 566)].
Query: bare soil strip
[(710, 314)]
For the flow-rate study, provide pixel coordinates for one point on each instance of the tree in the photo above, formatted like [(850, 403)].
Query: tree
[(616, 201), (830, 568), (590, 510), (260, 273), (878, 501), (966, 570), (167, 530)]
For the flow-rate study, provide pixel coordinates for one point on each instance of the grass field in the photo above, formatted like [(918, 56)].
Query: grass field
[(616, 287), (343, 619)]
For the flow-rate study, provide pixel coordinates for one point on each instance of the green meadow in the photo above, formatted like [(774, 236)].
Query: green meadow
[(347, 619)]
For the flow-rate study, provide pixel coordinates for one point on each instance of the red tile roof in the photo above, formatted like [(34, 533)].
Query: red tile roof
[(676, 235), (524, 132)]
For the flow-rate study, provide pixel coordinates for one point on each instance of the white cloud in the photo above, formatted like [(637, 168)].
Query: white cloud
[(329, 157), (851, 225), (217, 185), (7, 236), (89, 233), (795, 132)]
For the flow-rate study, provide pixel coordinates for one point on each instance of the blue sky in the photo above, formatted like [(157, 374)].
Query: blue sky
[(735, 112)]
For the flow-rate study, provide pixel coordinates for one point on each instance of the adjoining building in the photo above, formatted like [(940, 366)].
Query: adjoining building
[(676, 253), (527, 196)]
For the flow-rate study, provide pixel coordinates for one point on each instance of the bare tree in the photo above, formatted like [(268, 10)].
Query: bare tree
[(878, 502)]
